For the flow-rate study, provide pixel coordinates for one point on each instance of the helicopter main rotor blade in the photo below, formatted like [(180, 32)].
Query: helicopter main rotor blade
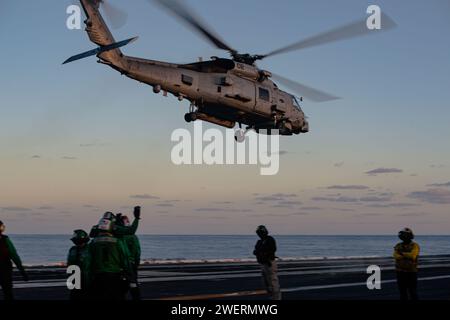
[(180, 10), (352, 30), (305, 91), (116, 16)]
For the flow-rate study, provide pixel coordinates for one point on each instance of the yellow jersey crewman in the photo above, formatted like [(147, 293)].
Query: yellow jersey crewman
[(406, 255)]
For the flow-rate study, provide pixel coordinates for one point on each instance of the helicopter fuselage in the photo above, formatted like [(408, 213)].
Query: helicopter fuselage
[(221, 91)]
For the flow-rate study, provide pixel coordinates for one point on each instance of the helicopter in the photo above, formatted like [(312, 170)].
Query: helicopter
[(221, 91)]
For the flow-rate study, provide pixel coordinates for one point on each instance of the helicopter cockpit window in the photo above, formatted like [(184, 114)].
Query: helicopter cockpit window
[(264, 94), (187, 80)]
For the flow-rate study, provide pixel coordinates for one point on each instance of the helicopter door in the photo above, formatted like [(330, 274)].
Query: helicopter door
[(264, 100), (241, 94)]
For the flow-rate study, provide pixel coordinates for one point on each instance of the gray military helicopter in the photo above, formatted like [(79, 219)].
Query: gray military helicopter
[(220, 91)]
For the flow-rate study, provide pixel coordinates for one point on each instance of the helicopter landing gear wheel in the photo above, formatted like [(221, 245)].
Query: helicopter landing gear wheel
[(190, 117), (239, 135)]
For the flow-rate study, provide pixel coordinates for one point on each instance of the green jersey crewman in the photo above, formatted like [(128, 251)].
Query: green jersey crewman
[(79, 255), (133, 247), (109, 262), (8, 253)]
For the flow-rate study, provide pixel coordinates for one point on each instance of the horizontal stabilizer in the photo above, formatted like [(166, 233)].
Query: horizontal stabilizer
[(100, 50)]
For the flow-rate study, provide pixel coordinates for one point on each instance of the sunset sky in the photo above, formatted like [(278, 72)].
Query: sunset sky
[(80, 139)]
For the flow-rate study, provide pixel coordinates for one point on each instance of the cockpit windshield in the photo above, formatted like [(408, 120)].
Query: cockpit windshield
[(296, 103)]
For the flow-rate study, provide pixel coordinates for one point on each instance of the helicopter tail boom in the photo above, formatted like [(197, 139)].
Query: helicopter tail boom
[(99, 33)]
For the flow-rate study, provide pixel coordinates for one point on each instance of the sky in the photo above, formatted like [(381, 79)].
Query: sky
[(80, 139)]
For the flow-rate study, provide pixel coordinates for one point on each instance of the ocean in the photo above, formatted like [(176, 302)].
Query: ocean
[(52, 249)]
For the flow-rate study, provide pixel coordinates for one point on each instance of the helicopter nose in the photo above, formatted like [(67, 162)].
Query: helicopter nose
[(305, 127)]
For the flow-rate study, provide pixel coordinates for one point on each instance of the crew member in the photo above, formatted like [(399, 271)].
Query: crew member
[(7, 253), (79, 255), (131, 242), (264, 251), (109, 262), (406, 255)]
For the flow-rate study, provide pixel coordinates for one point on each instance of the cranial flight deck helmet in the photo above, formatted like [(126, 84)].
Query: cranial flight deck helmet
[(406, 234), (262, 231), (107, 222), (80, 237)]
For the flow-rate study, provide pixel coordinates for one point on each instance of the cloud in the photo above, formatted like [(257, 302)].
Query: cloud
[(344, 209), (286, 203), (276, 197), (69, 158), (348, 187), (216, 217), (279, 200), (46, 208), (90, 145), (310, 208), (336, 199), (291, 202), (216, 209), (371, 197), (435, 196), (165, 205), (38, 214), (210, 209), (15, 209), (277, 214), (298, 214), (172, 201), (383, 171), (285, 195), (268, 198), (144, 197), (36, 157), (437, 166), (375, 199), (440, 184), (413, 214), (368, 215), (385, 194), (339, 164), (393, 205)]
